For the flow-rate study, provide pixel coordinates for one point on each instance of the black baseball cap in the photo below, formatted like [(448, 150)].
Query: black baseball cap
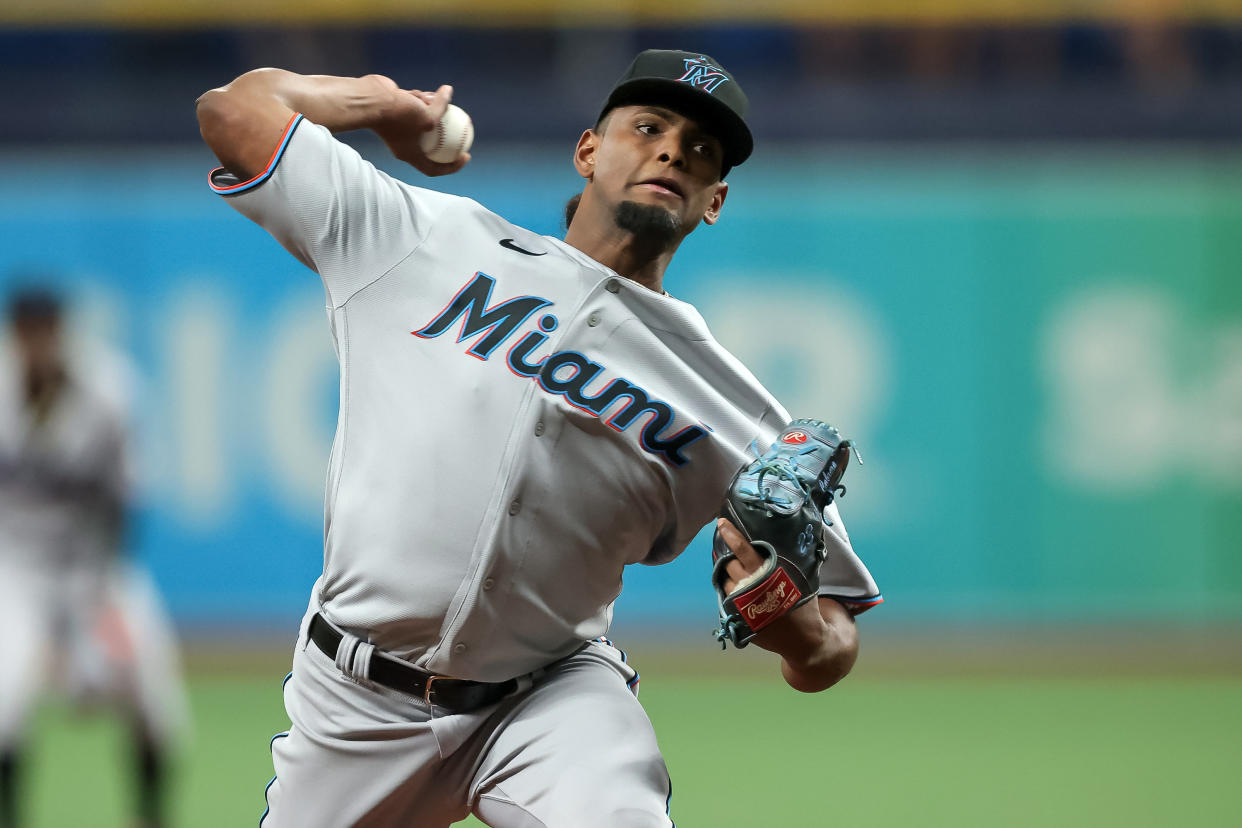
[(697, 86)]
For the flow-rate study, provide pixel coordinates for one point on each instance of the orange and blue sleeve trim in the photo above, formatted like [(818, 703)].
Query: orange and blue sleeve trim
[(855, 606), (264, 175)]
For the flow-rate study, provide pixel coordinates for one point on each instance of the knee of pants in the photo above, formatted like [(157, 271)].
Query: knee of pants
[(498, 810), (616, 816), (634, 794)]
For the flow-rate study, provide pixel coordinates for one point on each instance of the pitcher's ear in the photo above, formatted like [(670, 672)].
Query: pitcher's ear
[(717, 203), (584, 153)]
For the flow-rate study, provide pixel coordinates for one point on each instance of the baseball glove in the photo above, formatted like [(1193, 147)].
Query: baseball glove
[(777, 502)]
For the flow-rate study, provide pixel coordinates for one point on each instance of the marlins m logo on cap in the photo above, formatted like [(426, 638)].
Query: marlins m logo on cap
[(701, 73), (694, 85)]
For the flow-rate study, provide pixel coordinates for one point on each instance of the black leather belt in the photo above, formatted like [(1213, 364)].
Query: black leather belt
[(457, 695)]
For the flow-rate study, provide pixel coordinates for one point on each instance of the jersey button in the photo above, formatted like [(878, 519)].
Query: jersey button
[(613, 286), (459, 648), (515, 507), (539, 429), (489, 583), (593, 320)]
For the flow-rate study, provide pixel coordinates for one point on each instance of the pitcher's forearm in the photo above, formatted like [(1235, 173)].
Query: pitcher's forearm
[(243, 121), (337, 103)]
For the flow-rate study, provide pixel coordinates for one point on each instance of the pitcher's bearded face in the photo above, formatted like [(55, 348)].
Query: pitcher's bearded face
[(659, 170)]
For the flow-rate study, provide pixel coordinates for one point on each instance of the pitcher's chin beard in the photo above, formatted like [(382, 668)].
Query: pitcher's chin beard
[(651, 225)]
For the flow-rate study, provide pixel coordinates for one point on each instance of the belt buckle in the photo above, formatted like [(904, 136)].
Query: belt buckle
[(429, 691)]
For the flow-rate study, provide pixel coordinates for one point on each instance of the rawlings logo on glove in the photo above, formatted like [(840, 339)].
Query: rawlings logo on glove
[(777, 502), (763, 605)]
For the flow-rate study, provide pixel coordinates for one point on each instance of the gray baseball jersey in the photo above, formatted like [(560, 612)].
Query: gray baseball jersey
[(517, 422)]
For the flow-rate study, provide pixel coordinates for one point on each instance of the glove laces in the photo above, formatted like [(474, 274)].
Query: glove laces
[(783, 468)]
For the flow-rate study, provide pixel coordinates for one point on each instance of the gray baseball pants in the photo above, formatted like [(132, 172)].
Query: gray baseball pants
[(575, 749)]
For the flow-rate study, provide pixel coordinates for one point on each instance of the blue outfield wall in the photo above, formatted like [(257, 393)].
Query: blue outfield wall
[(1040, 354)]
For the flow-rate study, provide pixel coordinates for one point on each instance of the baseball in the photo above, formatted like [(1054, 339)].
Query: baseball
[(452, 136)]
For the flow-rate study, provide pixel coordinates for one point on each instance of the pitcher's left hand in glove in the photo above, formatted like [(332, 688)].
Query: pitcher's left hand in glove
[(777, 503)]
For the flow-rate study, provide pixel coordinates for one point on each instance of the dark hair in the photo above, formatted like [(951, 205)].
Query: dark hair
[(34, 304), (571, 209)]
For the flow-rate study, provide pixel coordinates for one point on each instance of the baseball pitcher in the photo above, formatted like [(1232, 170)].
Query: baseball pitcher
[(522, 417)]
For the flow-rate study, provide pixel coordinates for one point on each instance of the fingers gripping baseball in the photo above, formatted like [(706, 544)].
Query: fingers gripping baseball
[(439, 102), (438, 105), (417, 112)]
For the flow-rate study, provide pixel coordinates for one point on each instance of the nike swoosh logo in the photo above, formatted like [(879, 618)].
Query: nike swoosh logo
[(508, 244)]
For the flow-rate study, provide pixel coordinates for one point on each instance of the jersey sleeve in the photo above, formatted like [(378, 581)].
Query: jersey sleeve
[(332, 209), (843, 576)]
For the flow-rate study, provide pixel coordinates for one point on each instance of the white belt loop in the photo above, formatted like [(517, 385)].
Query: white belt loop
[(345, 653), (353, 657), (362, 663), (527, 681)]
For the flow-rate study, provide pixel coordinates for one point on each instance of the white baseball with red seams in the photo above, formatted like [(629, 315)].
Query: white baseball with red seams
[(452, 136)]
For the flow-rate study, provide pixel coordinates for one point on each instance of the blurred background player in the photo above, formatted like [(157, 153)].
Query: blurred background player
[(71, 607)]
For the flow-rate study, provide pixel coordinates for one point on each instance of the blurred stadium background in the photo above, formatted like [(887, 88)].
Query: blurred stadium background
[(1000, 243)]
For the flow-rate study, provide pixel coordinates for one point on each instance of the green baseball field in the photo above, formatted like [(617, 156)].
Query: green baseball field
[(992, 734)]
